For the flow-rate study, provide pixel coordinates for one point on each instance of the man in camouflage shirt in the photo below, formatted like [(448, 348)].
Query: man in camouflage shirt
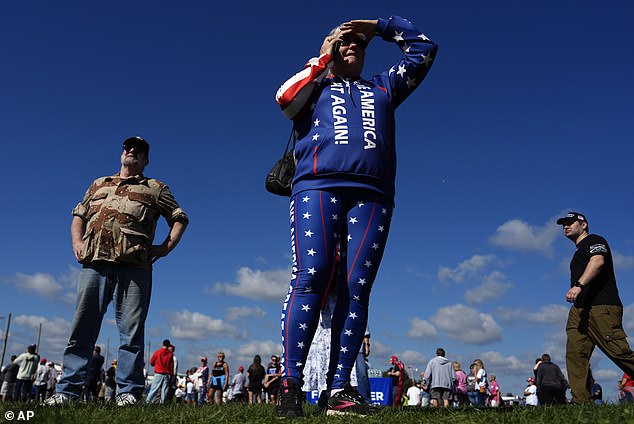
[(112, 233)]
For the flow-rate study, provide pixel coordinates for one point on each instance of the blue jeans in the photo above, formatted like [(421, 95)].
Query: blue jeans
[(481, 398), (473, 397), (363, 383), (202, 394), (159, 382), (129, 289), (22, 390)]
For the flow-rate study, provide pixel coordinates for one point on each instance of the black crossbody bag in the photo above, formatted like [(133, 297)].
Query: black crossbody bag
[(280, 178)]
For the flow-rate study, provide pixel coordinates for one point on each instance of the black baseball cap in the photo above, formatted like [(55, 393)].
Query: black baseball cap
[(571, 217), (138, 142)]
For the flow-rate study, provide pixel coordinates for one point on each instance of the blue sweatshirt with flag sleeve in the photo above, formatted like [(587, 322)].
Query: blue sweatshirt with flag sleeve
[(345, 127)]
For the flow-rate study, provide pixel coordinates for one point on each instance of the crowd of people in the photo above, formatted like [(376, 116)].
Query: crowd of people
[(27, 378), (211, 385), (443, 383), (205, 385)]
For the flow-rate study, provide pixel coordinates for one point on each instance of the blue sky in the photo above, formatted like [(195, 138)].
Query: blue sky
[(525, 114)]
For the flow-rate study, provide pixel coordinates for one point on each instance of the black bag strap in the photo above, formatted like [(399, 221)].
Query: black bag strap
[(290, 137)]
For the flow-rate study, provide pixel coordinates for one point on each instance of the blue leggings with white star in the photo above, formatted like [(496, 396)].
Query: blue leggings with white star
[(357, 221)]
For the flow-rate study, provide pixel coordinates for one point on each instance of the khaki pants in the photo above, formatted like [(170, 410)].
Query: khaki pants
[(599, 325)]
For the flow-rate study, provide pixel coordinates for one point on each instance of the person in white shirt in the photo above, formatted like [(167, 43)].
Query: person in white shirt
[(413, 395), (179, 394), (41, 379), (238, 389), (190, 394), (531, 393)]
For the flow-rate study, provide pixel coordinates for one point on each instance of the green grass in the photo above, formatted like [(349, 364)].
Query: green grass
[(237, 413)]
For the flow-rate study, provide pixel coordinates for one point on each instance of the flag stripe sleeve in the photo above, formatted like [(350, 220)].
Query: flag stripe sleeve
[(293, 95)]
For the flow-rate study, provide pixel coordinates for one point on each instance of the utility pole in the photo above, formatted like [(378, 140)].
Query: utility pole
[(147, 364), (39, 335), (6, 338), (107, 351)]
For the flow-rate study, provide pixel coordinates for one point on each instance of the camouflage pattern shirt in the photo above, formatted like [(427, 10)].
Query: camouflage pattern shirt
[(121, 216)]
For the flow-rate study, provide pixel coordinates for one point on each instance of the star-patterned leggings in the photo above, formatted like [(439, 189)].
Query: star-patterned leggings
[(358, 222)]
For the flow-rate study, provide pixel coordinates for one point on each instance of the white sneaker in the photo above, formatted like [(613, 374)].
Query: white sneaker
[(126, 399), (59, 399)]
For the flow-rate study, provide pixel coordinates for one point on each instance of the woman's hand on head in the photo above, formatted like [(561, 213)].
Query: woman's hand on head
[(366, 27), (329, 43)]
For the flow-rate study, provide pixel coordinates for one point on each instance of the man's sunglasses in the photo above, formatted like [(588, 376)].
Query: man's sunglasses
[(136, 147), (569, 223), (346, 40)]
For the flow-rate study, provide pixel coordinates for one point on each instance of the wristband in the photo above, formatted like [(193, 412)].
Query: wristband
[(578, 284)]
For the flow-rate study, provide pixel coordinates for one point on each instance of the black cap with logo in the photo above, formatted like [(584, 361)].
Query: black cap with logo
[(138, 143), (571, 217)]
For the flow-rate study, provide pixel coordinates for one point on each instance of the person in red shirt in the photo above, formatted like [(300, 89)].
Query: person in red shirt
[(397, 372), (163, 363), (626, 385)]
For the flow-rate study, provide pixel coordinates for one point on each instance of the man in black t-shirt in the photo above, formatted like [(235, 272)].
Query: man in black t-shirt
[(10, 376), (596, 317), (397, 373), (93, 375), (272, 379), (550, 381)]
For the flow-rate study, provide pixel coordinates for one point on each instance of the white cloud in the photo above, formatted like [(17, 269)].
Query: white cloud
[(256, 284), (54, 336), (519, 235), (622, 261), (45, 285), (54, 327), (606, 375), (39, 283), (261, 260), (467, 324), (70, 279), (628, 317), (555, 346), (264, 348), (190, 352), (235, 313), (500, 364), (492, 287), (508, 314), (465, 269), (423, 275), (412, 359), (379, 353), (155, 333), (549, 314), (197, 326), (421, 329)]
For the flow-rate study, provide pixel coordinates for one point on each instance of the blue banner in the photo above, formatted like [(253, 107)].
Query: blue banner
[(380, 391)]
